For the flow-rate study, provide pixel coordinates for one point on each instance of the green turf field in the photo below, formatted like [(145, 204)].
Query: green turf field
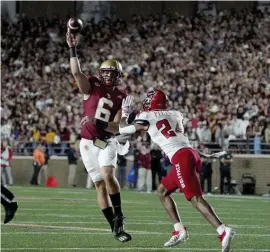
[(58, 219)]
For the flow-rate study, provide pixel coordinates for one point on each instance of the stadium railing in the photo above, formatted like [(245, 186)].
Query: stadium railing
[(236, 147)]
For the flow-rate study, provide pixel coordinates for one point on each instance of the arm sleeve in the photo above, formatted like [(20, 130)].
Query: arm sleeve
[(92, 80)]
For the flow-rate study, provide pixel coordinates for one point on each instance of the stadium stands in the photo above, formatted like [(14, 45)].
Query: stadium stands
[(215, 70)]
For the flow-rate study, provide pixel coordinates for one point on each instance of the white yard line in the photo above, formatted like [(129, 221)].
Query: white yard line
[(234, 212), (98, 216), (139, 207), (127, 249), (70, 191), (155, 223), (108, 231), (130, 232), (30, 198)]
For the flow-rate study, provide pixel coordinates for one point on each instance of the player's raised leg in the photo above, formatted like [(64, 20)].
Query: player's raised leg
[(10, 207), (180, 233), (225, 233), (187, 164)]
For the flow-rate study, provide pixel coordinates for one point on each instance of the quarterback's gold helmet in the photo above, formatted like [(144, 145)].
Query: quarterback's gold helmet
[(110, 72)]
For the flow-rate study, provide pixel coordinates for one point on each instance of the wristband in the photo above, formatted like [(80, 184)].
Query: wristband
[(72, 51), (101, 124), (127, 130), (125, 113)]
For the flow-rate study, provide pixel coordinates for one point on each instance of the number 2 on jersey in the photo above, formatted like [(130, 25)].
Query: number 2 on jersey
[(101, 112), (167, 130)]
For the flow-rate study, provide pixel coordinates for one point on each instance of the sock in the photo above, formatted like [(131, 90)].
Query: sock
[(178, 226), (7, 193), (221, 229), (109, 215), (116, 202), (4, 201)]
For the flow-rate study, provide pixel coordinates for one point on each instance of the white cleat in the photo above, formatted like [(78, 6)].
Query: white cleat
[(177, 238), (226, 238)]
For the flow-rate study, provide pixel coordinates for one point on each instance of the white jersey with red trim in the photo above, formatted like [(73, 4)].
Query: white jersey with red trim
[(165, 129)]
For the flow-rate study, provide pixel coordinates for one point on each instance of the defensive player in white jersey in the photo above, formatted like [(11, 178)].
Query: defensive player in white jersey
[(165, 128)]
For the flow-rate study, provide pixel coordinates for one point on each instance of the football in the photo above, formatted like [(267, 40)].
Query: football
[(75, 25)]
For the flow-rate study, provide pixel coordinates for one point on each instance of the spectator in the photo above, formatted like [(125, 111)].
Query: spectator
[(49, 140), (144, 173), (72, 161), (257, 144), (192, 136), (44, 168), (205, 135), (64, 136), (133, 173), (267, 134), (6, 156), (207, 66), (56, 146), (156, 167), (206, 172), (225, 170), (35, 136), (6, 129), (166, 164), (38, 162)]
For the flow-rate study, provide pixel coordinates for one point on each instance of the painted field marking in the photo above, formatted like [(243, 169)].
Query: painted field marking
[(155, 223), (144, 211), (140, 207), (131, 232), (98, 216), (126, 249), (49, 227)]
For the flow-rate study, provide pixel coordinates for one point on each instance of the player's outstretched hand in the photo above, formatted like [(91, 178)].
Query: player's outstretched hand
[(88, 119), (72, 40), (127, 105)]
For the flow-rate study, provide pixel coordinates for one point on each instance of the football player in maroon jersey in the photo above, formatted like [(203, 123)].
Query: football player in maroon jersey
[(102, 113)]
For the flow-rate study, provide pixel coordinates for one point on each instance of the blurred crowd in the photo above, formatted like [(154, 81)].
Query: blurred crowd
[(215, 70)]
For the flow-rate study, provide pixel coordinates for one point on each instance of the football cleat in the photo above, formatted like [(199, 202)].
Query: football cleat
[(118, 230), (177, 238), (10, 211), (226, 238)]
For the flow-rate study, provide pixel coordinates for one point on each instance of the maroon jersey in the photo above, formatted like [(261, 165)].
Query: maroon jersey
[(103, 103)]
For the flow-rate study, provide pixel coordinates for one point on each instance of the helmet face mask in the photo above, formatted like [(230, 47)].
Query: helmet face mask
[(155, 100), (109, 77), (147, 100), (110, 72)]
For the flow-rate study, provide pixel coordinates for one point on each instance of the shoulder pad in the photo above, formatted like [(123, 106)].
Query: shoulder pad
[(142, 116)]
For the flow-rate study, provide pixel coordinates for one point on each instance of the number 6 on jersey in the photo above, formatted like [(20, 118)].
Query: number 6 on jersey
[(101, 112)]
